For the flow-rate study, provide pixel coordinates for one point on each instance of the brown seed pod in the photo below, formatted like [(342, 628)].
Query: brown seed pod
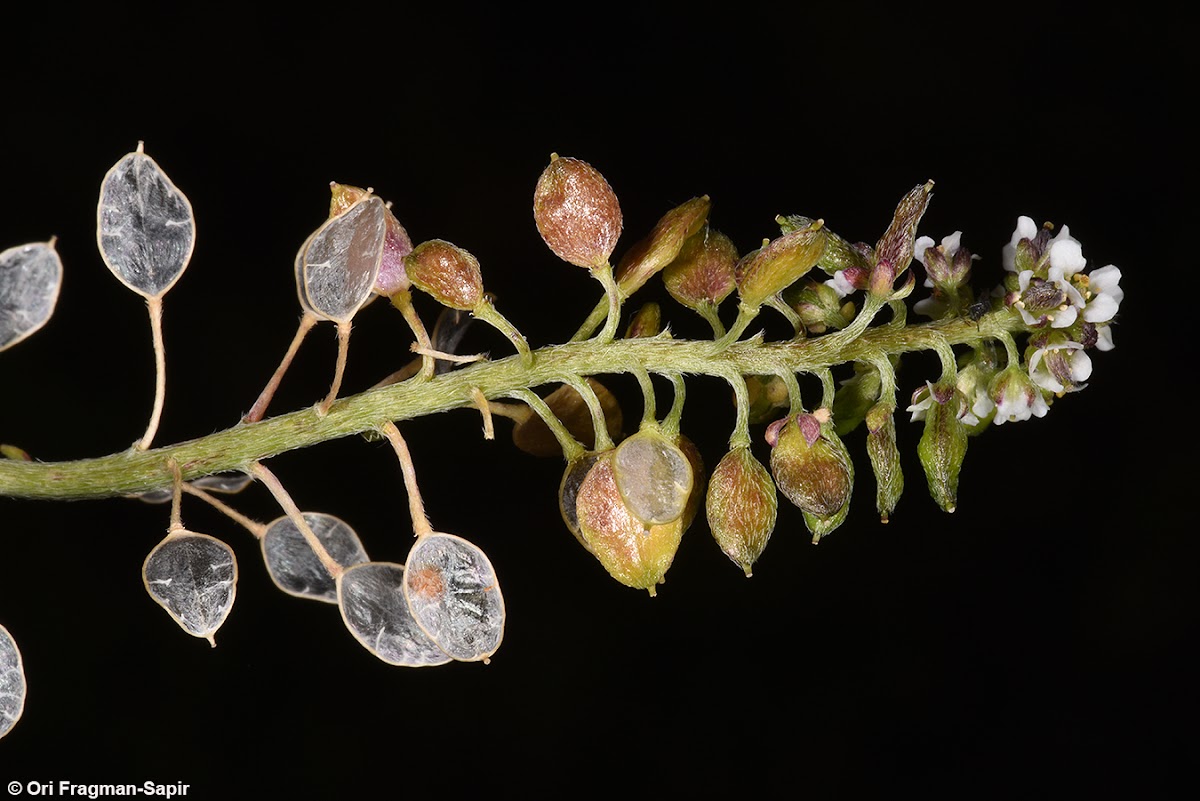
[(576, 212), (447, 272), (662, 245)]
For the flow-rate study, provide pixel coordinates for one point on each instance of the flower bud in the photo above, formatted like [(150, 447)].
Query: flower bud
[(654, 477), (779, 264), (576, 212), (633, 553), (1016, 397), (741, 506), (646, 322), (812, 469), (533, 436), (819, 305), (447, 272), (885, 458), (702, 274), (897, 243), (943, 444)]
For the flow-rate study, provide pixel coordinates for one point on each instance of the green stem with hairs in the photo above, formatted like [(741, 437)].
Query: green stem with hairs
[(235, 449)]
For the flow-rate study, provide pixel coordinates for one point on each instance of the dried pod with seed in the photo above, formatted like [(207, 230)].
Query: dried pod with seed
[(452, 591), (577, 212)]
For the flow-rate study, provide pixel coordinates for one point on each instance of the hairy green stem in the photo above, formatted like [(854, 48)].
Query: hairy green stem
[(236, 448)]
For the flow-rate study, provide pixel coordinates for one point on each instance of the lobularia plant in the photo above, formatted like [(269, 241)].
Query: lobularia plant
[(628, 501)]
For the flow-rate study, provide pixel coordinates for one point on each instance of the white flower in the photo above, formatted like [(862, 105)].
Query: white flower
[(1056, 371), (1106, 295), (1016, 397), (923, 399), (840, 284)]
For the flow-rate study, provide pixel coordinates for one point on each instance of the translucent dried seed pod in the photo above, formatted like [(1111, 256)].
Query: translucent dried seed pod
[(341, 261), (30, 279), (294, 567), (576, 212), (654, 477), (12, 682), (447, 272), (145, 227), (193, 577), (741, 506), (371, 599), (632, 553), (452, 591)]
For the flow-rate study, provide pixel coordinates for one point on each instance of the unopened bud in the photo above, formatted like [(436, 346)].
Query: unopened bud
[(813, 470), (943, 444), (741, 507), (897, 243), (779, 264), (447, 272), (885, 458), (662, 245), (819, 305), (633, 553), (576, 212)]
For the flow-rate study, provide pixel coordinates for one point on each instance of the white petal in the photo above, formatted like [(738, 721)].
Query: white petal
[(1067, 255), (1064, 317), (1104, 339), (1023, 279), (950, 244), (1102, 309), (1081, 366), (920, 246), (1026, 229), (1105, 279)]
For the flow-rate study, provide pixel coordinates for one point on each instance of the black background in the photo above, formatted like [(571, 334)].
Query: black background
[(1034, 642)]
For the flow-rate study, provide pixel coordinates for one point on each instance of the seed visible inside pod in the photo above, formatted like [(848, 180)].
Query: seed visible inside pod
[(654, 477), (452, 591)]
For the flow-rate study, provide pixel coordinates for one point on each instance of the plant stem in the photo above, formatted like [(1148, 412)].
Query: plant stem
[(154, 306), (134, 471)]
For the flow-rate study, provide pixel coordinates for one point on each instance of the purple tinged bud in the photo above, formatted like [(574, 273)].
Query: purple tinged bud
[(702, 272), (662, 245), (813, 470), (896, 244)]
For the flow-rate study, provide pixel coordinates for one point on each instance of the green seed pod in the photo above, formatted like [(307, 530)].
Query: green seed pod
[(838, 254), (633, 553), (576, 212), (447, 272), (701, 276), (813, 470), (779, 264), (885, 458), (662, 245), (741, 506), (819, 306), (943, 445)]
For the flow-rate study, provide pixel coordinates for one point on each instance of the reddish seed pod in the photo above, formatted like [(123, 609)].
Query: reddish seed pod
[(447, 272), (577, 212)]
